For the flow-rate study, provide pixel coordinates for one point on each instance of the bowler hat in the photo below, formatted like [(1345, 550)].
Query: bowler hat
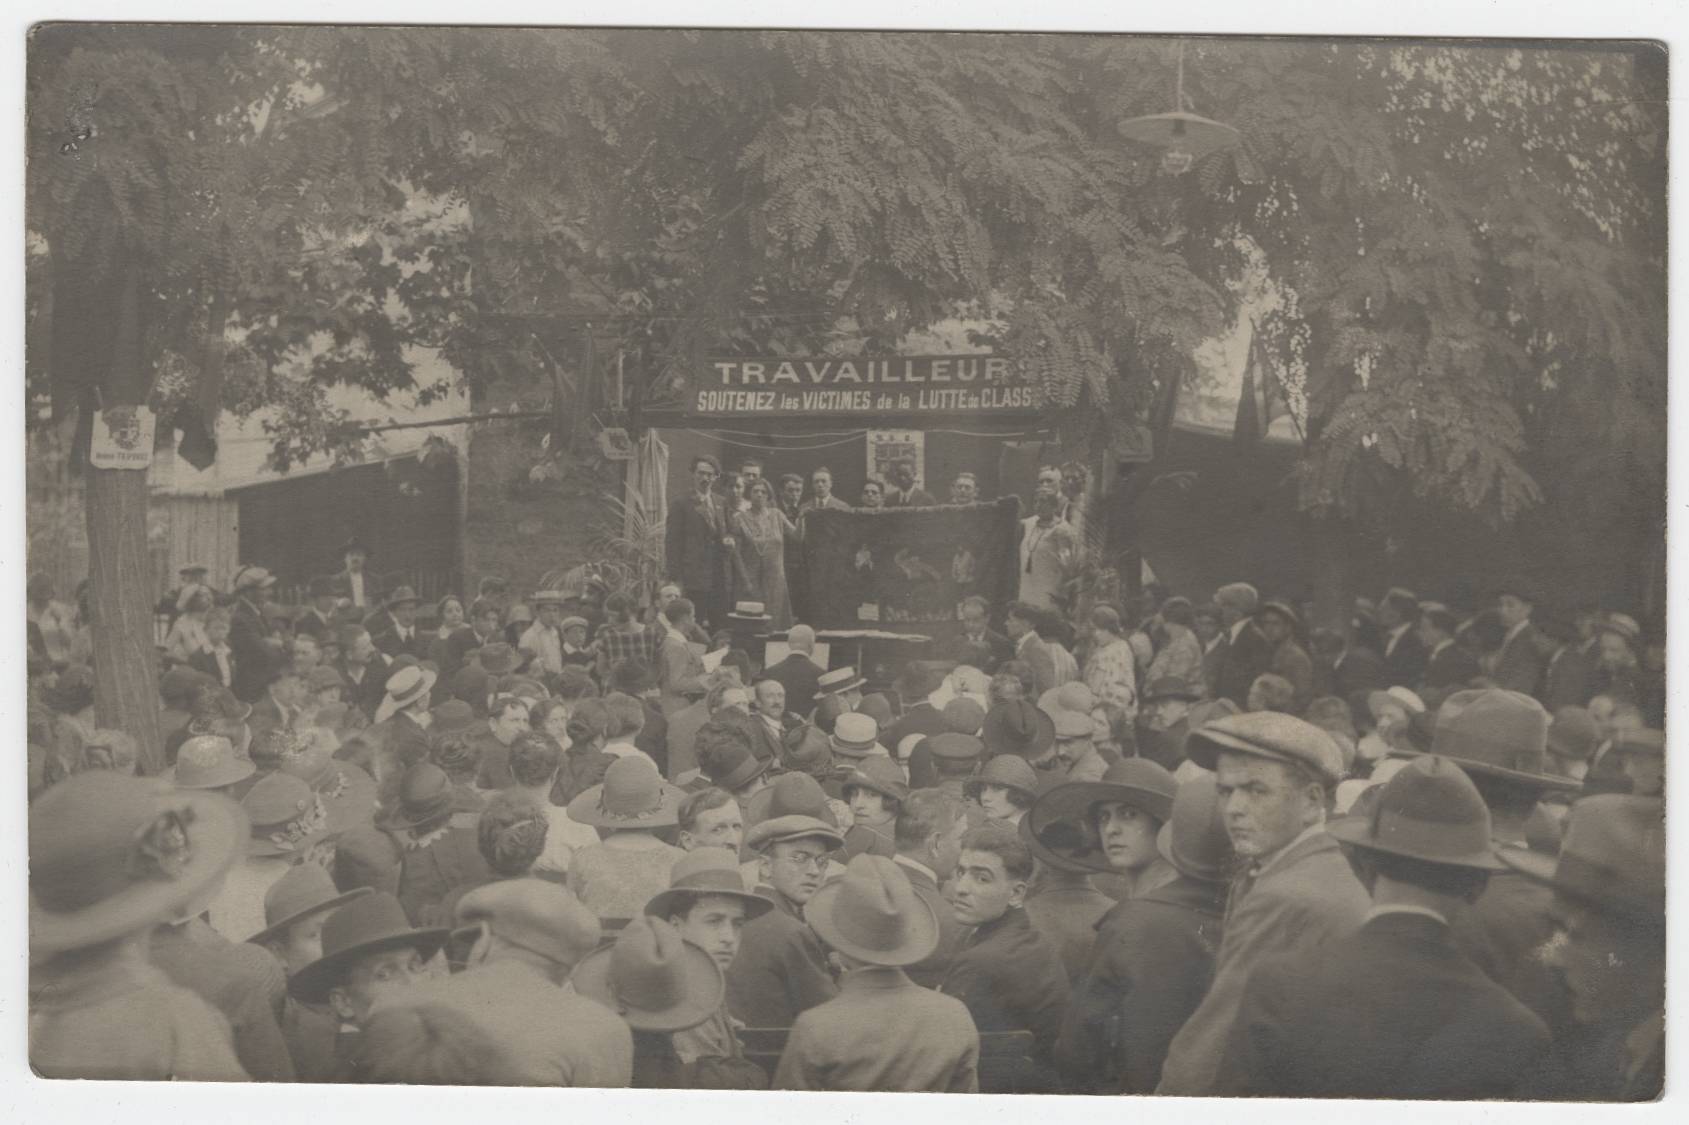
[(782, 829), (733, 767), (839, 679), (1194, 838), (1498, 733), (453, 717), (632, 795), (1268, 734), (1017, 727), (878, 775), (873, 914), (1573, 734), (1612, 857), (1137, 782), (208, 761), (706, 871), (369, 924), (426, 798), (287, 816), (856, 735), (653, 978), (111, 854), (305, 889), (533, 914), (1429, 811), (1010, 771)]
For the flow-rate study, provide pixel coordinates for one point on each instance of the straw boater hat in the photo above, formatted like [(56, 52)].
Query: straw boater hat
[(632, 795), (403, 688), (1017, 727), (1612, 857), (305, 890), (749, 611), (856, 735), (249, 576), (1622, 625), (532, 914), (368, 924), (1268, 734), (208, 761), (836, 681), (1429, 811), (652, 977), (1499, 734), (286, 815), (873, 914), (547, 597), (1008, 770), (1194, 838), (1137, 782), (110, 855), (706, 871)]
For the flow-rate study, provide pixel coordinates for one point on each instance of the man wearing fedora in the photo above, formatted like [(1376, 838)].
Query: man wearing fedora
[(1274, 774), (1609, 909), (781, 969), (110, 858), (1153, 959), (1500, 739), (296, 907), (708, 904), (1394, 1009), (1005, 970), (354, 583), (526, 936), (882, 1032), (726, 758), (394, 629), (370, 953)]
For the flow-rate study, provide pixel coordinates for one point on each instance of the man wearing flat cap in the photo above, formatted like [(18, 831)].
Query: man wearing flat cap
[(781, 970), (528, 935), (1273, 774), (1393, 1010)]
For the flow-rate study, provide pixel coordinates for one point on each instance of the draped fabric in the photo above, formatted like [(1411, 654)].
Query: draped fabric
[(889, 567)]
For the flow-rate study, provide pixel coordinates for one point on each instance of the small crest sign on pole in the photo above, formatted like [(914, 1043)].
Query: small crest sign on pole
[(123, 437)]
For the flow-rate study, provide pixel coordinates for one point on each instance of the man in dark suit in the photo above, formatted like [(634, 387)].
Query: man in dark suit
[(1568, 679), (1404, 655), (1519, 664), (364, 668), (821, 482), (394, 629), (1394, 1010), (1242, 652), (1449, 666), (798, 672), (978, 636), (249, 631), (317, 619), (1022, 624), (695, 542), (927, 835), (353, 582), (901, 490), (1342, 668)]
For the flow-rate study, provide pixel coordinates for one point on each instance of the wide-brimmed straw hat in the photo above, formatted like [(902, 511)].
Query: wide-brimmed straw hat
[(652, 977), (304, 890), (706, 871), (632, 795), (839, 679), (110, 855), (873, 914), (1194, 838), (1612, 857), (1429, 811), (368, 924), (1497, 733)]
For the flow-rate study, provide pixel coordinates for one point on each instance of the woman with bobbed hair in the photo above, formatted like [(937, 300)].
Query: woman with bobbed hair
[(1110, 668)]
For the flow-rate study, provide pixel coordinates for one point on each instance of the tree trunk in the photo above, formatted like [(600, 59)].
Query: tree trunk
[(121, 596)]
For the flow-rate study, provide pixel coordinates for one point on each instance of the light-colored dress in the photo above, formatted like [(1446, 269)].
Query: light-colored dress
[(1047, 557), (1110, 673), (760, 573), (186, 637)]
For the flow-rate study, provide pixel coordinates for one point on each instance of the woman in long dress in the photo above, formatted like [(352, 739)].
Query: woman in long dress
[(763, 531), (187, 635)]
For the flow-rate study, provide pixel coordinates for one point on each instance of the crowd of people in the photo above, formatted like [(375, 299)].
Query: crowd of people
[(1173, 846)]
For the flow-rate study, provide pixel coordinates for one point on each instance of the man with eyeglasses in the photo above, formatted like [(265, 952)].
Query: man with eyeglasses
[(781, 969), (696, 541)]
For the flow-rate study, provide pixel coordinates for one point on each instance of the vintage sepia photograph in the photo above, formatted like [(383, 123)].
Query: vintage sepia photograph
[(856, 561)]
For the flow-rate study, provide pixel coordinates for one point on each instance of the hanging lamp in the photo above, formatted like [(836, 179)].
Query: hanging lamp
[(1183, 136)]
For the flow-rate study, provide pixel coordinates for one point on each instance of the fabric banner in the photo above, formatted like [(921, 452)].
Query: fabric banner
[(907, 567)]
